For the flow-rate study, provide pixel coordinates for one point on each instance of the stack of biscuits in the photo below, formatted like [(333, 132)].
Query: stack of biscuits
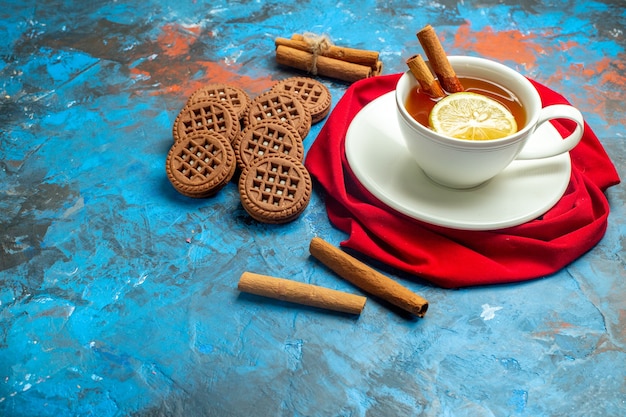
[(221, 130)]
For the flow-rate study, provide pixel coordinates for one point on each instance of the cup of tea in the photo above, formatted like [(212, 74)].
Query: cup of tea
[(463, 163)]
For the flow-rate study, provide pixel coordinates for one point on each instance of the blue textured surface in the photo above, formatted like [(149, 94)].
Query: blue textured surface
[(118, 295)]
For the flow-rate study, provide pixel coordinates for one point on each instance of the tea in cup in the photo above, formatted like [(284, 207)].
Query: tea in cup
[(463, 163)]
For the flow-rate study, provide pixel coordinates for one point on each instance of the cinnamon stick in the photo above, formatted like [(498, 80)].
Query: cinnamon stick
[(356, 56), (301, 293), (439, 60), (379, 69), (321, 65), (366, 278), (424, 77)]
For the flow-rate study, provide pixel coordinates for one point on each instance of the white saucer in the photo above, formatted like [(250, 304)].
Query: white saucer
[(378, 157)]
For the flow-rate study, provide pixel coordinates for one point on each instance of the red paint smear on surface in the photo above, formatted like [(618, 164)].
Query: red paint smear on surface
[(176, 40), (602, 87), (613, 73), (602, 83), (175, 69), (215, 73), (510, 45), (554, 327), (136, 73)]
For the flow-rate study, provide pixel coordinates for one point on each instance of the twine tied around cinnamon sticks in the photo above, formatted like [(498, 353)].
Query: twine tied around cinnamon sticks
[(318, 44), (317, 55)]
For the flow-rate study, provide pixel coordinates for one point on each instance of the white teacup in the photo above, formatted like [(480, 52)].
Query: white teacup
[(460, 163)]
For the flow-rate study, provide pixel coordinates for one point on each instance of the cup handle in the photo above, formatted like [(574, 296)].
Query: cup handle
[(556, 111)]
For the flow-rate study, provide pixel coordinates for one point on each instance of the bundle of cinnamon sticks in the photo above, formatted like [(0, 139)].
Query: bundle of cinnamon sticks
[(438, 59), (317, 55)]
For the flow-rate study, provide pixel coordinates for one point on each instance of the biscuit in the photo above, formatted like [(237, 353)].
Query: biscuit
[(266, 137), (275, 188), (200, 164), (207, 115), (237, 98), (314, 95), (281, 106)]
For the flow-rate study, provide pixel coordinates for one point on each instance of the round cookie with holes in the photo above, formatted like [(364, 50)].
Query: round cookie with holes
[(267, 137), (200, 164), (313, 94), (207, 115), (281, 106), (236, 97), (275, 188)]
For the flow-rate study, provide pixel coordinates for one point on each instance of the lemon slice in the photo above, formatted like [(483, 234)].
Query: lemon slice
[(471, 116)]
